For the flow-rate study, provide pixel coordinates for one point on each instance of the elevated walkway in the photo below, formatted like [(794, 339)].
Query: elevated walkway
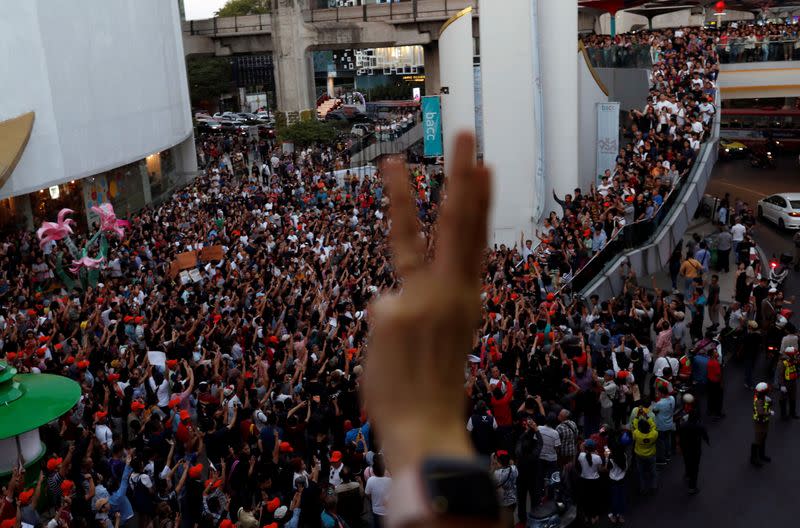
[(754, 80), (377, 149)]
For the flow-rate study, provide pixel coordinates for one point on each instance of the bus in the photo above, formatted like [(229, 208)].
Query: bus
[(754, 125)]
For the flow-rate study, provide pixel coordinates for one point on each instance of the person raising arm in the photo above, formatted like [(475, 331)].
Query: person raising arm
[(415, 400)]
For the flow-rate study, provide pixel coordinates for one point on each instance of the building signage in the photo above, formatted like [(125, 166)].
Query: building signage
[(607, 137), (432, 125)]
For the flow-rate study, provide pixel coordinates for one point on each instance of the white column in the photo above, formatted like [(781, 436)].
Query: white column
[(511, 142), (455, 72), (558, 26)]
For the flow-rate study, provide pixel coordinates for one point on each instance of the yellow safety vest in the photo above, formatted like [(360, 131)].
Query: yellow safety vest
[(767, 409), (789, 370)]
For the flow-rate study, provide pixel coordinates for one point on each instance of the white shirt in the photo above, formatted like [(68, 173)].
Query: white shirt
[(664, 362), (334, 478), (590, 472), (378, 490), (737, 232), (162, 391), (104, 435)]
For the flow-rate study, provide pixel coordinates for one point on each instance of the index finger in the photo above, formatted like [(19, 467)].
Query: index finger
[(406, 243)]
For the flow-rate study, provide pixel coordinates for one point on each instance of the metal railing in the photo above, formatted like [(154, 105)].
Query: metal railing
[(636, 56), (372, 146), (240, 25), (740, 51), (396, 12)]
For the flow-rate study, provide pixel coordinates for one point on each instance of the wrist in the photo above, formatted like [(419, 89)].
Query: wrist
[(407, 445)]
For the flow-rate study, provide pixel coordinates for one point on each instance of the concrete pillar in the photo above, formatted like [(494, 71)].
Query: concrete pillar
[(293, 66), (330, 87), (558, 25), (24, 210), (432, 78), (457, 74)]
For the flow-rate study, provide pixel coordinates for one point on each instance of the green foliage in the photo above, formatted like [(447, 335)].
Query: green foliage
[(209, 77), (243, 7), (306, 133)]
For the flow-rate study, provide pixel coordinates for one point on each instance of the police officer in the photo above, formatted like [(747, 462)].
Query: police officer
[(762, 412), (786, 379)]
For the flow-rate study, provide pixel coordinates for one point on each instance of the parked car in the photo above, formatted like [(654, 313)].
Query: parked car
[(361, 129), (783, 209), (208, 125), (202, 115)]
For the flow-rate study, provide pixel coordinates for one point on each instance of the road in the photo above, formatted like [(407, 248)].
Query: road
[(734, 494)]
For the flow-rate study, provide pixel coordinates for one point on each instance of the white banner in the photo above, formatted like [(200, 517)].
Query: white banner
[(607, 137)]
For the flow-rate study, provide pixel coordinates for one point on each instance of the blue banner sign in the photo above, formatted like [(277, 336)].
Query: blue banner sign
[(432, 125)]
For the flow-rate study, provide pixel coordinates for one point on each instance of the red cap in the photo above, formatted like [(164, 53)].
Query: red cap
[(336, 456), (41, 351), (11, 356), (99, 415), (213, 483), (67, 486), (70, 360), (551, 296), (185, 415), (100, 300), (127, 319), (10, 523), (84, 364), (195, 471), (136, 405), (174, 402), (227, 523), (248, 375), (273, 504), (53, 463), (44, 339), (271, 525), (273, 339), (31, 312), (138, 319), (26, 496), (58, 346), (172, 363), (285, 447), (113, 377), (514, 296)]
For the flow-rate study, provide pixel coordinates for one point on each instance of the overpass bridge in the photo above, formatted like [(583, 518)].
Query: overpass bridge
[(293, 29)]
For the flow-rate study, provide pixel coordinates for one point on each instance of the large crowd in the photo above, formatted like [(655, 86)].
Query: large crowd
[(254, 418)]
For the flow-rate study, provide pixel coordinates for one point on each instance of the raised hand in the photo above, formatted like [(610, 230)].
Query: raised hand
[(421, 335)]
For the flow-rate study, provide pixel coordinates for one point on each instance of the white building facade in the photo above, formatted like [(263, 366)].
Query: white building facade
[(106, 82)]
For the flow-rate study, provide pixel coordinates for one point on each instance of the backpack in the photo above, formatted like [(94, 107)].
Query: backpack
[(140, 496)]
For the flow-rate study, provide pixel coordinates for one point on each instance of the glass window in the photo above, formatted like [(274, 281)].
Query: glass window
[(795, 204)]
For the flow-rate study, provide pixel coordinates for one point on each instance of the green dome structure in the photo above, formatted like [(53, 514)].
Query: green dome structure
[(27, 402)]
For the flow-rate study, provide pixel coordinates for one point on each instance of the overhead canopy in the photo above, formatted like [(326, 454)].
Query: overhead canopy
[(612, 6), (28, 401), (14, 134)]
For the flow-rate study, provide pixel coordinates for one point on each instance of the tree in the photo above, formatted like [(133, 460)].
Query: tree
[(307, 133), (209, 77), (243, 7)]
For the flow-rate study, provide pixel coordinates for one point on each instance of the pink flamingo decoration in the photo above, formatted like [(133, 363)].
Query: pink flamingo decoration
[(85, 262), (108, 219), (55, 231)]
